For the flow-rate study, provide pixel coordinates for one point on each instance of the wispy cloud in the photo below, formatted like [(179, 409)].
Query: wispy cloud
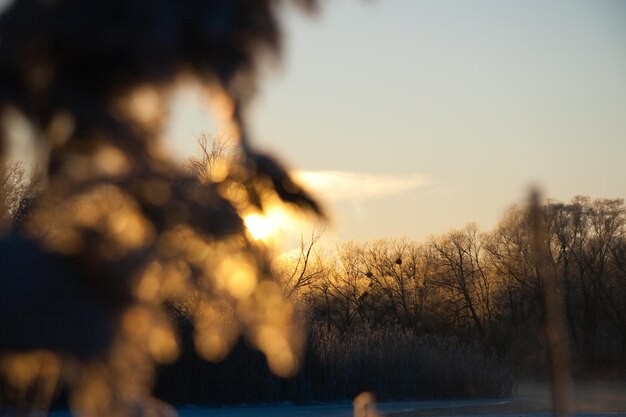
[(353, 186)]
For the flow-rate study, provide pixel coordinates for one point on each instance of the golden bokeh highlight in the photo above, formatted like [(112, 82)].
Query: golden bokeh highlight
[(272, 327), (212, 346), (105, 210), (236, 194), (365, 405), (22, 369), (143, 105), (216, 329), (93, 395), (111, 161), (238, 276), (60, 128), (162, 344)]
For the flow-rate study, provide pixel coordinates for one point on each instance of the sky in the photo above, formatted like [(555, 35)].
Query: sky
[(410, 118)]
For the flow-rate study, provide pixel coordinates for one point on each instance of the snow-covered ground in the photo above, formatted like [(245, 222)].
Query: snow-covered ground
[(325, 410), (319, 410), (400, 409)]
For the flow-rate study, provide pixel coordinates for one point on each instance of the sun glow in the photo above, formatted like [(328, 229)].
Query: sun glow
[(269, 225), (258, 226)]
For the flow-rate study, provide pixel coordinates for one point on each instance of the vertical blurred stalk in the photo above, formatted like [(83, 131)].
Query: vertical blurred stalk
[(556, 330)]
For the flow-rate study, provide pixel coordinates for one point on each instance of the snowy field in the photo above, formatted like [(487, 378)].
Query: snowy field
[(326, 410), (394, 409), (532, 400), (492, 408)]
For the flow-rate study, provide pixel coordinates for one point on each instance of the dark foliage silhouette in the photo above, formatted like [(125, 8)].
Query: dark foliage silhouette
[(117, 230)]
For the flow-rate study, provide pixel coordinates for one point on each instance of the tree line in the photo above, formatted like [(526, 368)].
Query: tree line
[(484, 287), (459, 315)]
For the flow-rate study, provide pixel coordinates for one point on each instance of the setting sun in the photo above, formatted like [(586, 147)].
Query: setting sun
[(269, 225), (258, 225)]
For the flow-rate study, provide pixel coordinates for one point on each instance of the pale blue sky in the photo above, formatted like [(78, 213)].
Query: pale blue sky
[(432, 114)]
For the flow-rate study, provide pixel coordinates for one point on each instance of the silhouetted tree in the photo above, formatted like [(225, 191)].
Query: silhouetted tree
[(301, 268), (463, 275)]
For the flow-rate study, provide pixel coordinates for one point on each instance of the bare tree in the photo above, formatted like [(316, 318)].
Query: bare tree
[(509, 254), (398, 270), (303, 269), (217, 155), (463, 273), (346, 288)]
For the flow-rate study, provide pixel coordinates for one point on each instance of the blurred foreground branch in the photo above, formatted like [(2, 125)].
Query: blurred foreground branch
[(555, 319), (118, 230)]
